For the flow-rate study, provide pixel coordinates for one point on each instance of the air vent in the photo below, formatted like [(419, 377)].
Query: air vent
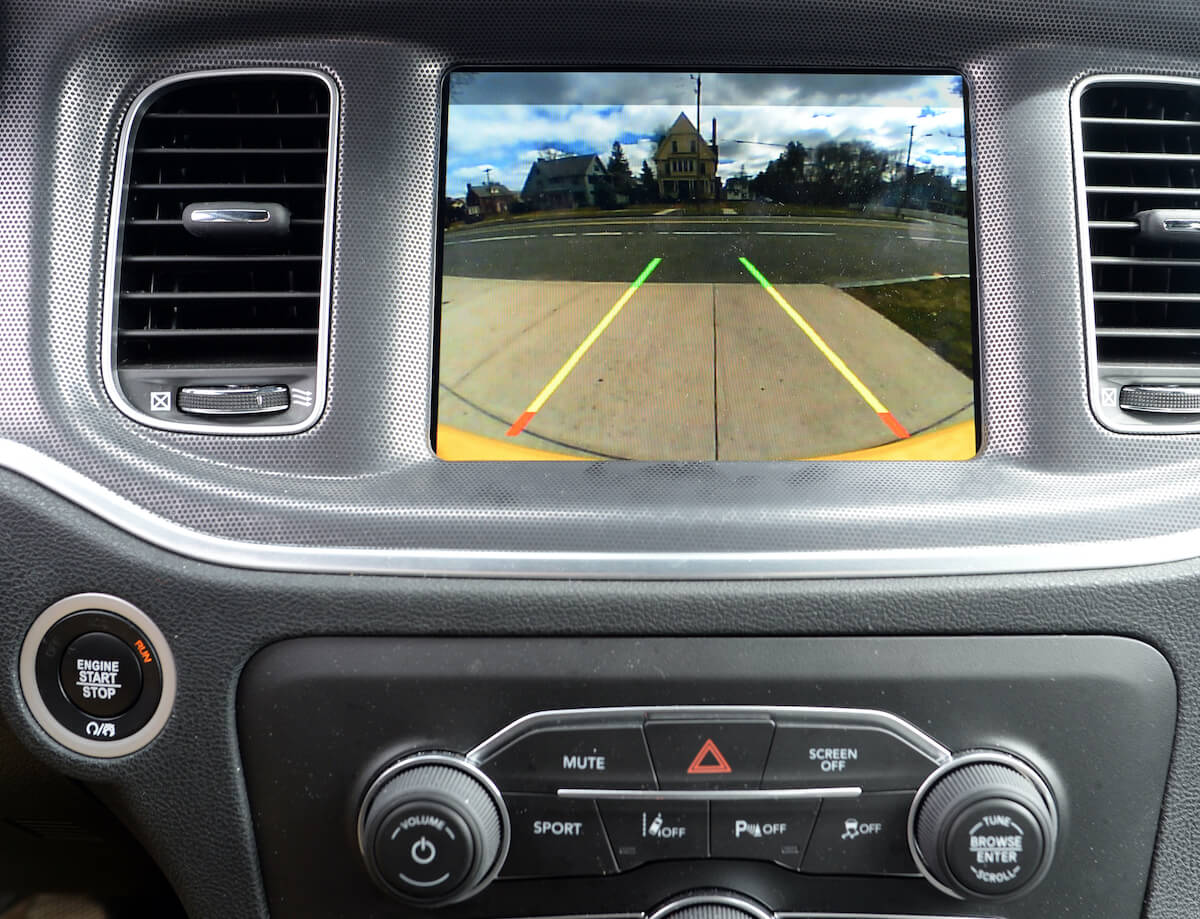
[(1138, 170), (219, 273)]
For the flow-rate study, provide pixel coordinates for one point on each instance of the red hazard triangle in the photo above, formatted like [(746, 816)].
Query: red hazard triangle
[(709, 761)]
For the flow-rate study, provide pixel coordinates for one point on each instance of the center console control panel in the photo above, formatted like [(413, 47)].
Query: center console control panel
[(1007, 778), (821, 791)]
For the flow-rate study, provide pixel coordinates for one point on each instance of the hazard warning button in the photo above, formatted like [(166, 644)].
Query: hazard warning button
[(709, 754)]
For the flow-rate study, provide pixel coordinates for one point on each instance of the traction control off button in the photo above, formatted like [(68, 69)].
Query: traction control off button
[(865, 835), (101, 674)]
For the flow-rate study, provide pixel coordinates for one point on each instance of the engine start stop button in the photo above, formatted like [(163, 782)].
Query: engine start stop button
[(101, 674), (97, 675)]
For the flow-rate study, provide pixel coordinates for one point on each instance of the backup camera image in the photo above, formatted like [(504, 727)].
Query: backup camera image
[(705, 266)]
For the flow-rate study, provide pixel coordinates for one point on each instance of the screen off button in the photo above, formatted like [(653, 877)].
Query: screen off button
[(823, 757)]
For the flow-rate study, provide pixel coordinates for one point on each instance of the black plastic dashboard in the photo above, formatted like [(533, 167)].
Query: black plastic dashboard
[(232, 544)]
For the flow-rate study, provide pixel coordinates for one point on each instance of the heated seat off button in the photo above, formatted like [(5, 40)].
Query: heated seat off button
[(101, 674)]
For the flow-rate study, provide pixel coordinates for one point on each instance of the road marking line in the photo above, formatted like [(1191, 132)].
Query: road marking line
[(489, 239), (830, 355), (791, 233), (566, 234), (605, 233), (670, 210), (706, 233), (935, 239), (557, 380)]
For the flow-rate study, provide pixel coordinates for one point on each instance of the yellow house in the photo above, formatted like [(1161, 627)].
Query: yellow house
[(686, 164)]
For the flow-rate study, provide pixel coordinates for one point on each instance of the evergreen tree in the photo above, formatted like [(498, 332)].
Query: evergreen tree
[(619, 172), (649, 186)]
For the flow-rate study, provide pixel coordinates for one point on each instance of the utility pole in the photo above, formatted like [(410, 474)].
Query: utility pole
[(699, 139), (907, 172)]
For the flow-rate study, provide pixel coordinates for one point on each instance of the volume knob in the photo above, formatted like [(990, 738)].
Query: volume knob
[(432, 830), (985, 828)]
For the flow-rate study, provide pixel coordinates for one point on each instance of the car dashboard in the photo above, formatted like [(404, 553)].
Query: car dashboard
[(283, 641)]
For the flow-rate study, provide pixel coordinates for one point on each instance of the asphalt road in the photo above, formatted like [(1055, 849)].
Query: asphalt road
[(789, 250)]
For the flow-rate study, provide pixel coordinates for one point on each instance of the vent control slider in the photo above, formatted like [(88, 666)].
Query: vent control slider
[(1170, 226), (242, 219), (233, 400)]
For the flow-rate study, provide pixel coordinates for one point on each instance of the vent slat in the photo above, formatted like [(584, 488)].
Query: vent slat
[(236, 301), (192, 258), (1135, 261), (1140, 152), (231, 151), (1190, 333), (1140, 297), (1119, 332), (1152, 157), (221, 295), (1143, 122), (211, 333), (235, 116), (1191, 192), (209, 186), (302, 221)]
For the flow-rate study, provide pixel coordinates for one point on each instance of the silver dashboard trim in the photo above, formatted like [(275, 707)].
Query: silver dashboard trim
[(627, 715), (717, 898), (116, 221), (165, 534), (715, 794), (859, 915)]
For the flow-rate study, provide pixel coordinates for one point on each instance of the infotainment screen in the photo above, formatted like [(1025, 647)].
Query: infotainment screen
[(705, 266)]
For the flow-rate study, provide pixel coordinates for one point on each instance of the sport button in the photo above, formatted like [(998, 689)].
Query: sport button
[(814, 757), (101, 674), (709, 754), (555, 837)]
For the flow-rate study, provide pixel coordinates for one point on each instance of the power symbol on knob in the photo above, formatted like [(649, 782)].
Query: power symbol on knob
[(423, 851)]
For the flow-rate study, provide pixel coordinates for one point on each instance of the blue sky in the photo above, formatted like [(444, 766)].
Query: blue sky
[(502, 122)]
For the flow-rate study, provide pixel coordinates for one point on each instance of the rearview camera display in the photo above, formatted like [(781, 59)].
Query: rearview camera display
[(705, 266)]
